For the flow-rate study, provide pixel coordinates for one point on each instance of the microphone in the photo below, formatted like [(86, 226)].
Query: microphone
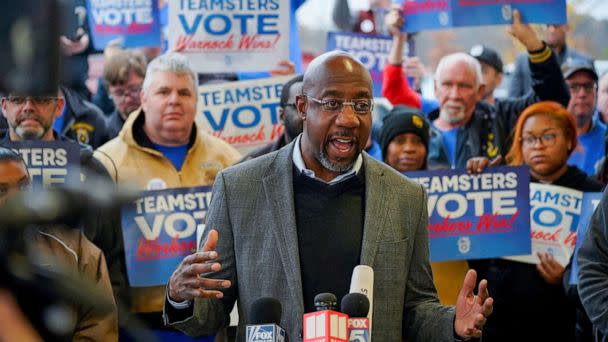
[(362, 281), (264, 319), (326, 301), (326, 324), (356, 306)]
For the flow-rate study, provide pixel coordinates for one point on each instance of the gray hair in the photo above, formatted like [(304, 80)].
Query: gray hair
[(452, 58), (171, 62)]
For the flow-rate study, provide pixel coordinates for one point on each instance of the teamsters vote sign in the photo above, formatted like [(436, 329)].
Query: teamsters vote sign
[(555, 215), (440, 14), (230, 35), (372, 52), (136, 22), (476, 216), (50, 163), (244, 114), (159, 230)]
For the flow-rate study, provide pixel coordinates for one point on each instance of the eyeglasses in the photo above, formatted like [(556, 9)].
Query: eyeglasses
[(122, 93), (36, 100), (587, 87), (360, 106), (547, 139)]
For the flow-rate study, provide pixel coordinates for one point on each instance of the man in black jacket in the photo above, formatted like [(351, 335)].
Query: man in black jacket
[(81, 120), (32, 118), (555, 37)]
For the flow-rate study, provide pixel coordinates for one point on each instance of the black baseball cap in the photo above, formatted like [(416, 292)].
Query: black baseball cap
[(487, 55)]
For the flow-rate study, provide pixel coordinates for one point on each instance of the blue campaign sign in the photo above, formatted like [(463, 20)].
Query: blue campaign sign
[(422, 15), (244, 114), (499, 12), (372, 51), (135, 23), (50, 163), (477, 216), (438, 14), (159, 230), (590, 202)]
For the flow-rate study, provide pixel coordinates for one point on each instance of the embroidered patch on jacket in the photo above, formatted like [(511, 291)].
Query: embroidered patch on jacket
[(491, 150), (83, 131)]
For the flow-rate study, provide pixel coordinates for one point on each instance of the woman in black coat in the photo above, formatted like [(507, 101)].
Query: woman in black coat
[(537, 298)]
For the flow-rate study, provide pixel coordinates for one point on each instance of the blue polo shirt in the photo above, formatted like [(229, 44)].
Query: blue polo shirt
[(590, 149)]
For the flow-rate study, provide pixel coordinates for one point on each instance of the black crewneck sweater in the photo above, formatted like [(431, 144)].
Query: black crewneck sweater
[(329, 221)]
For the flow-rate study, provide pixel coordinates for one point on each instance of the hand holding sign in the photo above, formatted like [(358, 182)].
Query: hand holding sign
[(472, 310), (186, 282), (524, 33), (284, 68), (73, 47), (478, 164), (394, 21), (551, 270)]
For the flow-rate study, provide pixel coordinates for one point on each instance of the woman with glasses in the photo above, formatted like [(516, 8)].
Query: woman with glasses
[(537, 296)]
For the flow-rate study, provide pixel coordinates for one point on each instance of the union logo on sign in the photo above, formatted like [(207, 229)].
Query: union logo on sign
[(507, 12), (464, 244)]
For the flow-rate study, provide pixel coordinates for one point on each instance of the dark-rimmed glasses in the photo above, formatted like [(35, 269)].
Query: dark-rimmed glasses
[(360, 106), (36, 100)]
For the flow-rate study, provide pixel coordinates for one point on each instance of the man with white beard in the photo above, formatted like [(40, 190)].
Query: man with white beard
[(465, 126)]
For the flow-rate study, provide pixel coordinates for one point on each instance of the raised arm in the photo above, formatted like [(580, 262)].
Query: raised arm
[(394, 84)]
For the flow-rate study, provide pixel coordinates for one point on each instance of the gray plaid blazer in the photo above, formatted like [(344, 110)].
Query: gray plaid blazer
[(253, 210)]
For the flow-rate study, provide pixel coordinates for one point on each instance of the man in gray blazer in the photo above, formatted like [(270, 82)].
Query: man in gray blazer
[(295, 222)]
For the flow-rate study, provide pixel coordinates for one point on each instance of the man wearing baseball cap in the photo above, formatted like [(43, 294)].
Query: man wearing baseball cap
[(491, 69), (581, 79)]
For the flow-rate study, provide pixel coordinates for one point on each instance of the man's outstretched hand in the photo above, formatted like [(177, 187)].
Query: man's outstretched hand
[(186, 282), (472, 310)]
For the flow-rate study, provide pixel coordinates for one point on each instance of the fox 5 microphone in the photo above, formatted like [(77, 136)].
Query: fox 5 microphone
[(326, 324), (356, 306), (264, 318), (362, 281)]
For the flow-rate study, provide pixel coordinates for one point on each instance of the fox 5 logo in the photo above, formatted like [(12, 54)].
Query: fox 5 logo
[(359, 335), (264, 333), (358, 330)]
